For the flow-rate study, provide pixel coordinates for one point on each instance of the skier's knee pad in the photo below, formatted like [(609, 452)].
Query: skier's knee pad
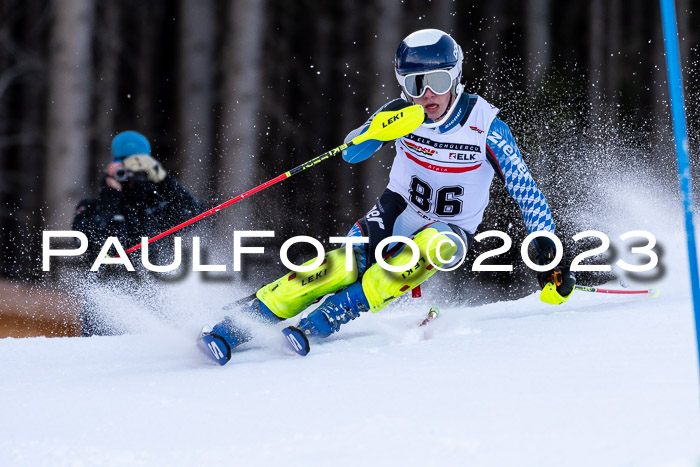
[(290, 295), (436, 250)]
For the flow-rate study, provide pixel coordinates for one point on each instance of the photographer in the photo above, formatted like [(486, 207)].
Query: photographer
[(137, 198)]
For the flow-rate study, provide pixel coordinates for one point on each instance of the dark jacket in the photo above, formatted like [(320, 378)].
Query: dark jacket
[(140, 209)]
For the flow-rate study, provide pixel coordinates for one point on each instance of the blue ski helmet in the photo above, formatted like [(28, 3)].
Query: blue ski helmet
[(128, 143), (427, 50), (424, 51)]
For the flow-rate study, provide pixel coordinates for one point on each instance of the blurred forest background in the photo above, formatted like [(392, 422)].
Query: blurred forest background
[(233, 93)]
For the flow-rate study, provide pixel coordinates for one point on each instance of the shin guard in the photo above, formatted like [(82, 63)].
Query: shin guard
[(382, 287), (293, 293)]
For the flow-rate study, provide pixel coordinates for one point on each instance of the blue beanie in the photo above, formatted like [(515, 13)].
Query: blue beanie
[(128, 143)]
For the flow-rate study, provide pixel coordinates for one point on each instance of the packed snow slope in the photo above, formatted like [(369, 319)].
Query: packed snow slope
[(599, 381)]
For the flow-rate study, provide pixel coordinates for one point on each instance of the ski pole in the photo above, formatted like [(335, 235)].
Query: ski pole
[(585, 288), (386, 126)]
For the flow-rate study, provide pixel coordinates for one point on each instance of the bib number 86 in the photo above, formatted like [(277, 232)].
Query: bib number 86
[(447, 202)]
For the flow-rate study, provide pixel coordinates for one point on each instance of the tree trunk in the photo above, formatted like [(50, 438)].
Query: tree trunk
[(68, 109), (374, 171), (106, 104), (596, 21), (348, 179), (31, 145), (538, 42), (612, 57), (5, 130), (493, 35), (151, 39), (240, 119), (388, 37), (685, 30), (443, 12), (658, 83), (196, 99)]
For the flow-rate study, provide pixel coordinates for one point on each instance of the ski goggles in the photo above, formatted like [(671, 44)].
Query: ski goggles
[(439, 81)]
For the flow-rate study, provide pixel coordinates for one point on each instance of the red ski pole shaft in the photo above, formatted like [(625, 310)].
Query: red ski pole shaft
[(268, 183), (385, 126), (612, 291), (211, 211)]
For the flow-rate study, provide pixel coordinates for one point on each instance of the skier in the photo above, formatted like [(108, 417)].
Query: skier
[(438, 191), (137, 197)]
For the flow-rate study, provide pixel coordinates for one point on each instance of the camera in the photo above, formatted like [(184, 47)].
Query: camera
[(123, 175)]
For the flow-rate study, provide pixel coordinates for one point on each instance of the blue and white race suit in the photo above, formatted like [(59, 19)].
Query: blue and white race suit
[(443, 175)]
